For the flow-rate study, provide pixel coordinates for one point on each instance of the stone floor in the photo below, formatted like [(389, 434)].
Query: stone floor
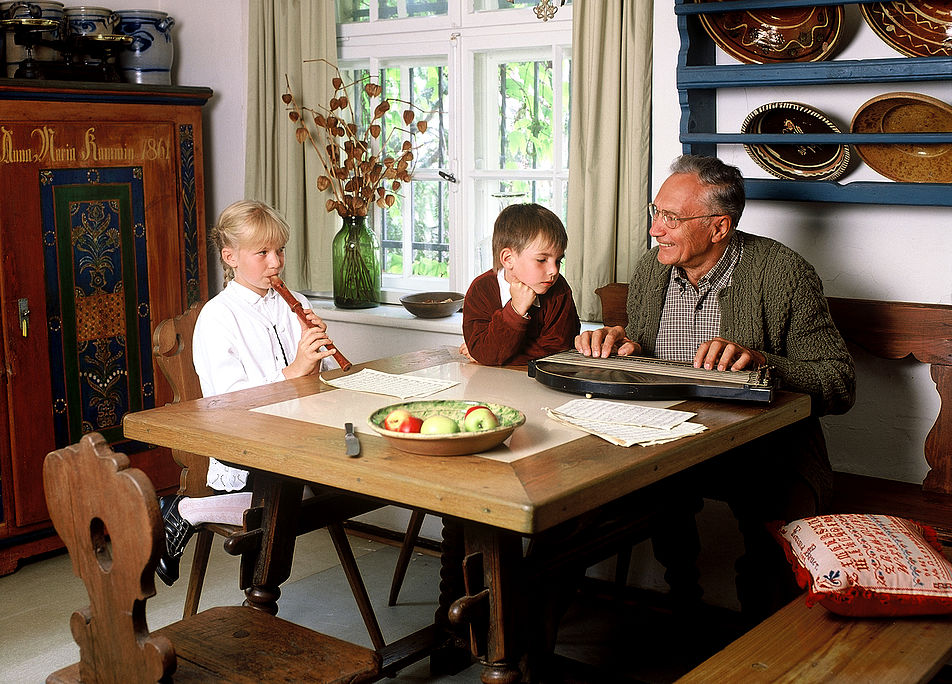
[(619, 638)]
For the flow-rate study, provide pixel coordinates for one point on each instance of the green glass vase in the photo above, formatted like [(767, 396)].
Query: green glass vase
[(356, 265)]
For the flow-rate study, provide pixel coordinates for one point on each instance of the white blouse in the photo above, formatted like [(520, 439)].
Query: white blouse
[(242, 340)]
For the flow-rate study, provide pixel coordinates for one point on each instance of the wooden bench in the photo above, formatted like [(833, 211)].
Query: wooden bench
[(811, 644)]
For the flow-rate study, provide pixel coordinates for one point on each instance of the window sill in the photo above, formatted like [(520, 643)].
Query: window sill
[(388, 316), (394, 316)]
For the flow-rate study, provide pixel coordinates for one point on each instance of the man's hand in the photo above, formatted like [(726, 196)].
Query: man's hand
[(726, 355), (601, 343), (523, 297)]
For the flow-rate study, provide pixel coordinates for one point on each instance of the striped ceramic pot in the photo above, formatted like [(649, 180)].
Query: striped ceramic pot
[(148, 59)]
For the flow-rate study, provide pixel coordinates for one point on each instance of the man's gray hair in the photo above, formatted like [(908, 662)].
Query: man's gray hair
[(726, 194)]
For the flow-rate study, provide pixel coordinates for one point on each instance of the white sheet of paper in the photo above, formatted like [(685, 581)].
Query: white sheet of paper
[(619, 413), (403, 386), (629, 435)]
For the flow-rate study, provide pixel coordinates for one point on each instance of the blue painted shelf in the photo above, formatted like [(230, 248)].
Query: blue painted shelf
[(699, 78)]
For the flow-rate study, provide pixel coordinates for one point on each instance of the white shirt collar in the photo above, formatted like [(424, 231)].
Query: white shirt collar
[(265, 304)]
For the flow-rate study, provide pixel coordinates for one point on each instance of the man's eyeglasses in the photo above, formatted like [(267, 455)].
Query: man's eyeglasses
[(670, 220)]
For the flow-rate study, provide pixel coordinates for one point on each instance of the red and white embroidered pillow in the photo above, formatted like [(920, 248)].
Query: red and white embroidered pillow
[(869, 565)]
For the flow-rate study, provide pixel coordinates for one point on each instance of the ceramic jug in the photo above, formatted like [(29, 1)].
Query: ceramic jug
[(90, 21), (148, 59), (36, 10)]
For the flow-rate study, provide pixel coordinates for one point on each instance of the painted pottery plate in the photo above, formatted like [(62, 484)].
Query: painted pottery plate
[(762, 36), (453, 444), (916, 29), (795, 161), (906, 113)]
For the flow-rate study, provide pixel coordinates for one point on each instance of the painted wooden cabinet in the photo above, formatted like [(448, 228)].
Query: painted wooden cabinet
[(102, 236)]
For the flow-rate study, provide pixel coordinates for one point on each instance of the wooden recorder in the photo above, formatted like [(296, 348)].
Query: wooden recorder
[(298, 308)]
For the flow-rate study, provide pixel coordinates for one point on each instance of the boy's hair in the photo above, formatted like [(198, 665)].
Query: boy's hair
[(244, 222), (519, 224)]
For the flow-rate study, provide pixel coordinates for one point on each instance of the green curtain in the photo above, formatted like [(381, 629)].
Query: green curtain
[(282, 34), (609, 148)]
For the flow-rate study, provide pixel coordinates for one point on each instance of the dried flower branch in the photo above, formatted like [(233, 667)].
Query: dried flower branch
[(354, 171)]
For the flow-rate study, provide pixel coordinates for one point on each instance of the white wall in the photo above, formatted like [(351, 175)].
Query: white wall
[(210, 40)]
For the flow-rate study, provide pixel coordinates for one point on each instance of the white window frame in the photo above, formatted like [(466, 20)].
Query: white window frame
[(456, 39)]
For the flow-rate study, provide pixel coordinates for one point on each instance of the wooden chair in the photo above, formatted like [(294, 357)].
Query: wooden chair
[(172, 351), (108, 516), (614, 300)]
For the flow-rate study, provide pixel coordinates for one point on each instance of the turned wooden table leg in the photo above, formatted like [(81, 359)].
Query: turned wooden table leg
[(453, 654), (279, 500), (501, 553)]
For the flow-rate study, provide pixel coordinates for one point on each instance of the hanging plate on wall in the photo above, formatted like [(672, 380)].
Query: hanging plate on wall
[(796, 161), (916, 29), (762, 36), (906, 113)]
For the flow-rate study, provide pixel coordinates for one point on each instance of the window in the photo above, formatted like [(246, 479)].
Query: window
[(494, 81)]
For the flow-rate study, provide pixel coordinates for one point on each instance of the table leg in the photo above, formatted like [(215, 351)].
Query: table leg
[(501, 552), (452, 655), (279, 501)]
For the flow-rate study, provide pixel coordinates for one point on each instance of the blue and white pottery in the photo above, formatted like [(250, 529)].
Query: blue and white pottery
[(148, 59), (90, 21), (38, 10)]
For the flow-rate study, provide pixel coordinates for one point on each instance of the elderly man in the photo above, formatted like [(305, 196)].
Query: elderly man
[(721, 298)]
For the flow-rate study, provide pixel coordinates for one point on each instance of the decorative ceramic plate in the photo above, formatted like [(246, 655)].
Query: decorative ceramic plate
[(916, 29), (906, 113), (453, 444), (796, 161), (762, 36)]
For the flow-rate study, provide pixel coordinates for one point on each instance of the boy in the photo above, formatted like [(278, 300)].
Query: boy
[(522, 309)]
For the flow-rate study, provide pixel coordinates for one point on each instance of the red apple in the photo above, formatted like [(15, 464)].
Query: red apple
[(411, 424), (479, 418), (400, 420)]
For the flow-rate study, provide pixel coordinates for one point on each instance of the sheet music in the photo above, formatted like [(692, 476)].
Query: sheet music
[(618, 413), (391, 384), (625, 424)]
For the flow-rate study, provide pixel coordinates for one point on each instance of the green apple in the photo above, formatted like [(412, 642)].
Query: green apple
[(479, 418), (438, 425)]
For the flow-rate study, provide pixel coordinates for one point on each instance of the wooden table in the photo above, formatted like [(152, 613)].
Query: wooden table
[(497, 503)]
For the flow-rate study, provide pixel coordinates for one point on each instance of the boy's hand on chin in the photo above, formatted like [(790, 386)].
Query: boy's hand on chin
[(522, 295)]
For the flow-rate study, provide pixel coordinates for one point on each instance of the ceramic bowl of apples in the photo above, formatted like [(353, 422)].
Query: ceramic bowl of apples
[(450, 427)]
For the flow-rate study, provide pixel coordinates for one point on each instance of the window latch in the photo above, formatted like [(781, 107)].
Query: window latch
[(448, 176)]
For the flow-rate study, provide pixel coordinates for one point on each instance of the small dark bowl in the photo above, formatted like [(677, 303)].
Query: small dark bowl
[(433, 304)]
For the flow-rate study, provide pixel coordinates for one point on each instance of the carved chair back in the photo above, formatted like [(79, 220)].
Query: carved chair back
[(108, 516)]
